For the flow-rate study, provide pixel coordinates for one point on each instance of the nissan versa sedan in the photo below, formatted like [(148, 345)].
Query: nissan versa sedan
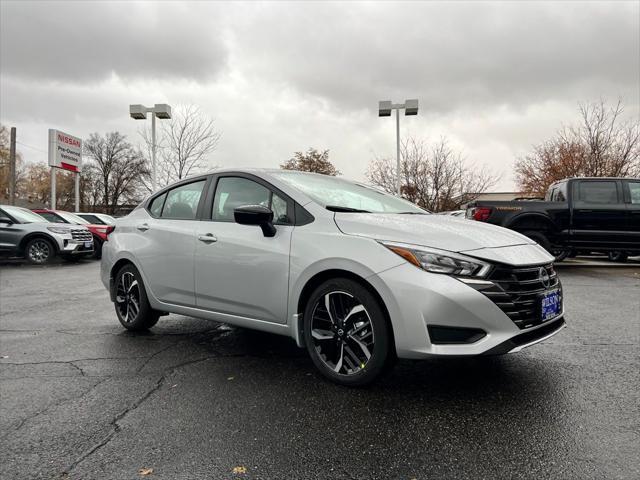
[(354, 275)]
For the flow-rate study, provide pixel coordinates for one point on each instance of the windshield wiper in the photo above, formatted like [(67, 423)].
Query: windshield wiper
[(337, 208), (413, 213)]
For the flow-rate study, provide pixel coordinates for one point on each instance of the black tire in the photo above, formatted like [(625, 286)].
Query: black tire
[(542, 240), (131, 302), (97, 248), (354, 349), (39, 251), (618, 256)]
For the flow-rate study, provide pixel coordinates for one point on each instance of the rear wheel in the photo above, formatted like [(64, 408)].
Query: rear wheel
[(541, 239), (346, 333), (39, 251), (131, 303)]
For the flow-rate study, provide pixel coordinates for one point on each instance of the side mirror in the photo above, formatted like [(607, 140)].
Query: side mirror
[(256, 215), (6, 220)]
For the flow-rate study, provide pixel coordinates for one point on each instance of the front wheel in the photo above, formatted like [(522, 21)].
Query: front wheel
[(346, 333), (39, 251), (131, 303)]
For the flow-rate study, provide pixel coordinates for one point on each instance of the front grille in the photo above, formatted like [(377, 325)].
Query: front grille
[(81, 235), (516, 291)]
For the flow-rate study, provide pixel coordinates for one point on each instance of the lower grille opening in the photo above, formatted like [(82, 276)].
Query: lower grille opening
[(442, 335), (527, 337), (541, 332)]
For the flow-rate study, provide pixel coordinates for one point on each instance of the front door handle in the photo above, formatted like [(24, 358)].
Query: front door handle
[(207, 238), (143, 228)]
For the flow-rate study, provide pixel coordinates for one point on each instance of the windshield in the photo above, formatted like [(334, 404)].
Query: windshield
[(340, 195), (71, 218), (23, 215)]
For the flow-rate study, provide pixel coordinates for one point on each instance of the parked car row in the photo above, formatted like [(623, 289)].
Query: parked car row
[(40, 235)]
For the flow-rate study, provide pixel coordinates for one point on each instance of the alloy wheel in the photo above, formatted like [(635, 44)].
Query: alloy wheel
[(342, 332), (128, 297), (39, 251)]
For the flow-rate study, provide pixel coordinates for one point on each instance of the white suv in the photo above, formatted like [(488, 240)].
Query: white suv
[(355, 275)]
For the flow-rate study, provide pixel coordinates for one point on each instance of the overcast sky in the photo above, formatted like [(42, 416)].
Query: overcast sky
[(494, 77)]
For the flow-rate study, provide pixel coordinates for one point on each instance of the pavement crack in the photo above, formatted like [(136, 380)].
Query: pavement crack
[(49, 407), (154, 355), (115, 426), (77, 368)]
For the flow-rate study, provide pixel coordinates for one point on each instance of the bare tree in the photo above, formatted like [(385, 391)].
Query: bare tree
[(434, 177), (118, 165), (183, 146), (311, 161), (601, 145)]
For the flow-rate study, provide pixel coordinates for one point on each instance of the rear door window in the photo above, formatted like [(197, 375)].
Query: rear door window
[(182, 202), (156, 205), (600, 192)]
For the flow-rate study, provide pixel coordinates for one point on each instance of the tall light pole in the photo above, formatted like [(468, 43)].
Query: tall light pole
[(139, 112), (384, 110)]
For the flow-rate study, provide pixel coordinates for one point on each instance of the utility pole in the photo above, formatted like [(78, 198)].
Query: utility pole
[(12, 168)]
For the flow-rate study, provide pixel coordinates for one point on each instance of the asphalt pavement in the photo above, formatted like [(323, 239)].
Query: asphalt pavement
[(81, 398)]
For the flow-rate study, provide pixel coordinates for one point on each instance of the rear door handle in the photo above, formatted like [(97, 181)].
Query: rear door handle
[(207, 238), (143, 228)]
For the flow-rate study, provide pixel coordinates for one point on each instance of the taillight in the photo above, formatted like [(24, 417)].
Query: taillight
[(481, 214), (108, 230)]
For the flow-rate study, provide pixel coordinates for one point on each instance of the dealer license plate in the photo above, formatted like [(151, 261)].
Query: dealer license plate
[(88, 244), (551, 305)]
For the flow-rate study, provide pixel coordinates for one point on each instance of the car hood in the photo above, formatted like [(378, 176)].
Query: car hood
[(437, 231)]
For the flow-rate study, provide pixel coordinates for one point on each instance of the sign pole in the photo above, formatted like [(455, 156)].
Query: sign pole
[(12, 168), (77, 191), (52, 202)]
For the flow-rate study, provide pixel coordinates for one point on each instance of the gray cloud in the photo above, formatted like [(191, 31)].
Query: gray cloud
[(450, 55), (77, 42), (279, 77)]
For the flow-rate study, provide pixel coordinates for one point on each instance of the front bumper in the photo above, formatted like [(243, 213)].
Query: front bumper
[(417, 299), (73, 247)]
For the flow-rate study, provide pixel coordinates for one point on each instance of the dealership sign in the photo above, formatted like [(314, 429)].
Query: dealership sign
[(65, 151)]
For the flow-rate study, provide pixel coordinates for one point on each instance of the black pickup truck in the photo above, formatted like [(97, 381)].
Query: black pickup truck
[(577, 214)]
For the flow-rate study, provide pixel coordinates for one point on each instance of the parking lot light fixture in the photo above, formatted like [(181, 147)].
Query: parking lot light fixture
[(163, 112), (384, 110)]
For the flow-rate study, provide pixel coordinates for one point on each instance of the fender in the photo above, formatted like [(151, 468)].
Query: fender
[(29, 236), (129, 258), (535, 215), (335, 263)]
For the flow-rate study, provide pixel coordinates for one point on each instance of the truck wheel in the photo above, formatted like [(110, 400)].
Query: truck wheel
[(618, 256), (541, 239), (39, 251)]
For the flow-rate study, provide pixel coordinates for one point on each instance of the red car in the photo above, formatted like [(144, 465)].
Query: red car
[(99, 232)]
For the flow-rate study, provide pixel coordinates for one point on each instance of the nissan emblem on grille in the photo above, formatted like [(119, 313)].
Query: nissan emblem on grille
[(544, 277)]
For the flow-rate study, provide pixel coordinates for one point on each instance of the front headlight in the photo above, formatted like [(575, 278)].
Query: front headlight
[(439, 261), (60, 230)]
